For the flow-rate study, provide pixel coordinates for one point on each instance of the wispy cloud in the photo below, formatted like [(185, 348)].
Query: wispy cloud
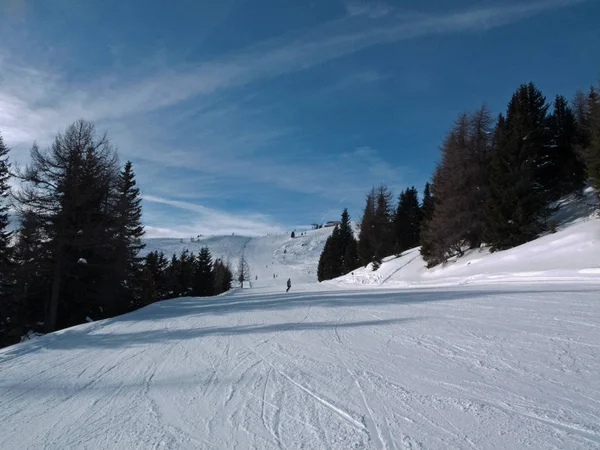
[(226, 137), (210, 221), (267, 60)]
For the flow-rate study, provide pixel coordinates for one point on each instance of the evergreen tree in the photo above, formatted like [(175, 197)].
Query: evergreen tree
[(407, 221), (428, 205), (348, 245), (154, 280), (569, 170), (340, 254), (204, 276), (383, 236), (222, 277), (427, 210), (517, 207), (330, 259), (128, 234), (293, 235), (366, 237)]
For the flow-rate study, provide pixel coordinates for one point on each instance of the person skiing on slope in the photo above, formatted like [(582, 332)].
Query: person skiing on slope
[(289, 284)]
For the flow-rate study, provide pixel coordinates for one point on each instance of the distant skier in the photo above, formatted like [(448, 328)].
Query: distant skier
[(289, 284)]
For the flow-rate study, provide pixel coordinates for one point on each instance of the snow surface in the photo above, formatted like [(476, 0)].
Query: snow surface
[(492, 351)]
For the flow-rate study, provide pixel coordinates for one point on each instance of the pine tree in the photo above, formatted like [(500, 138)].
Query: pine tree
[(204, 276), (340, 254), (128, 234), (154, 280), (569, 170), (517, 207), (383, 236), (366, 244), (348, 245), (330, 259), (222, 277), (407, 221), (427, 209)]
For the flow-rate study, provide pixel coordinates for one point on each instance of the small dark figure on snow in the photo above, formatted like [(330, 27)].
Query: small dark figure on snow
[(289, 284)]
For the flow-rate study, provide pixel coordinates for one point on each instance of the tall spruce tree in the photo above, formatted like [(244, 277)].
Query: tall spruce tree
[(383, 235), (366, 235), (407, 221), (128, 235), (340, 254), (222, 277), (329, 265), (569, 173), (427, 209), (520, 189), (204, 278)]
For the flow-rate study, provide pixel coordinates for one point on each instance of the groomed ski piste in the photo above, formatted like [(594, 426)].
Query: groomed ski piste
[(491, 351)]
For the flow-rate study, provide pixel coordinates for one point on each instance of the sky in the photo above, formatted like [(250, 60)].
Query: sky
[(263, 116)]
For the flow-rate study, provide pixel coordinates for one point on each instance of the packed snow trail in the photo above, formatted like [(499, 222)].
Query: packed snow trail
[(468, 368)]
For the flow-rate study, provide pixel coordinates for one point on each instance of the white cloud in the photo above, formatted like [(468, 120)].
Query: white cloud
[(36, 101), (24, 88), (211, 221)]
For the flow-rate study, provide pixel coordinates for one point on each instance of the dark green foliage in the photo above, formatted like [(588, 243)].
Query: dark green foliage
[(127, 234), (407, 221), (427, 210), (517, 206), (366, 235), (154, 279), (340, 254), (203, 285), (568, 173), (222, 277)]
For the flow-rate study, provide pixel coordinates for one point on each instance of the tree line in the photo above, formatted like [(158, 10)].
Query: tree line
[(495, 184), (76, 254)]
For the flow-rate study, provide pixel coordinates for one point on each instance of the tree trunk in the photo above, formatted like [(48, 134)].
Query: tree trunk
[(50, 321)]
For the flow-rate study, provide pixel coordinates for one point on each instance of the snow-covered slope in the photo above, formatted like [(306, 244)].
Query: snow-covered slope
[(509, 363), (227, 248), (467, 368), (271, 259), (570, 254)]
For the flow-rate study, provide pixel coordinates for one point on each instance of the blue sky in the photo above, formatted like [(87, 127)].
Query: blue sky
[(261, 116)]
